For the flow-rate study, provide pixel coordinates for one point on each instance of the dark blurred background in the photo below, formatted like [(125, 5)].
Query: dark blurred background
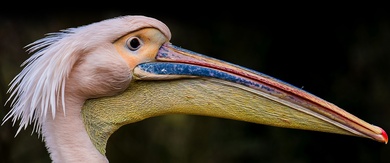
[(341, 54)]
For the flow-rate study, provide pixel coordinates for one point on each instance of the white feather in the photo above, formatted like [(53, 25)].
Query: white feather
[(39, 88)]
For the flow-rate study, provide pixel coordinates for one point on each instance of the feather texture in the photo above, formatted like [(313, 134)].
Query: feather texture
[(39, 88)]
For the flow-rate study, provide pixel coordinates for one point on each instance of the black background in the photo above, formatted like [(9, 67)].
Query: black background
[(339, 53)]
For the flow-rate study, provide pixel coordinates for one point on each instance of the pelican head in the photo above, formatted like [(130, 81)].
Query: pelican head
[(82, 84)]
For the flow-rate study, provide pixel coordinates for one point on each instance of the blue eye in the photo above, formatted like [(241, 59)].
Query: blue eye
[(133, 43)]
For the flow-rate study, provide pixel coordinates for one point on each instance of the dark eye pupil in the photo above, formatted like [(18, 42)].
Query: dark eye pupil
[(134, 43)]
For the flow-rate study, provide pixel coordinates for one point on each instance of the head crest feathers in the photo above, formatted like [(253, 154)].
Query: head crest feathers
[(39, 87)]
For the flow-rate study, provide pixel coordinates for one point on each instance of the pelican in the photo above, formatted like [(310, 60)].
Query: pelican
[(82, 84)]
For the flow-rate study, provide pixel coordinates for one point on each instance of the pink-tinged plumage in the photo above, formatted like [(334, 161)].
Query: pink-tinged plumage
[(58, 69), (102, 59), (40, 85)]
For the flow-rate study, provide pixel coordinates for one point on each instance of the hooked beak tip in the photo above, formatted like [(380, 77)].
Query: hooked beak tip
[(385, 137)]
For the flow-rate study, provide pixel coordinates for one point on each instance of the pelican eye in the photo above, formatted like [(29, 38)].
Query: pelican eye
[(133, 43)]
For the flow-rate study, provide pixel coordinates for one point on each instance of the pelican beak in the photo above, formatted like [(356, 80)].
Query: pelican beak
[(185, 82), (180, 63)]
